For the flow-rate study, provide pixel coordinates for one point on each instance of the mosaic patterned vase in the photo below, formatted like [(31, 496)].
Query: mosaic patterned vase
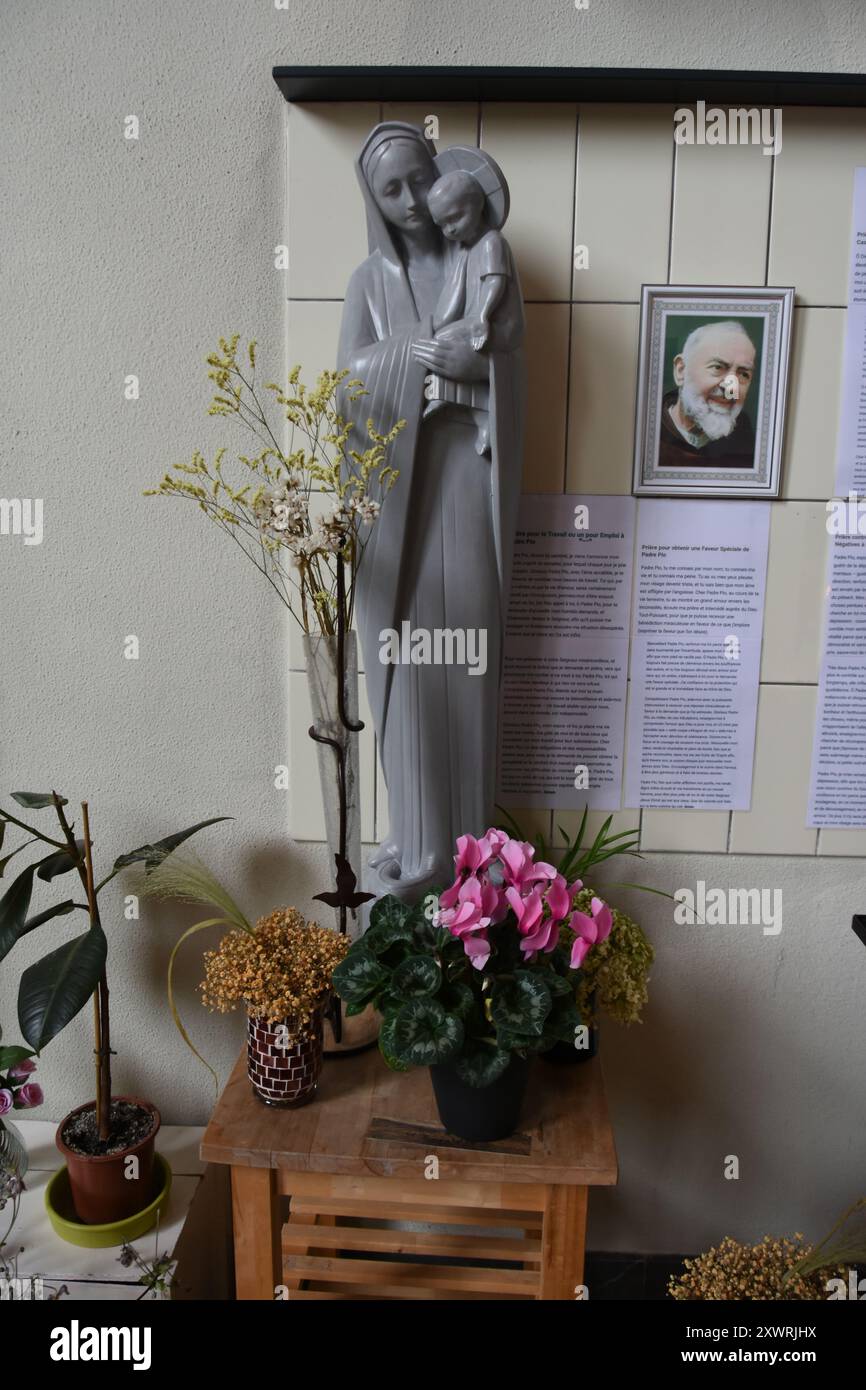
[(282, 1074)]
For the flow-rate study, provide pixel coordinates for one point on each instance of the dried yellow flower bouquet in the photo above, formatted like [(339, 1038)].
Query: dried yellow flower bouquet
[(280, 972), (766, 1271)]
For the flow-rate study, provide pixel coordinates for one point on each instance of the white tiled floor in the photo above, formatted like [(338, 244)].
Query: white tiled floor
[(96, 1274)]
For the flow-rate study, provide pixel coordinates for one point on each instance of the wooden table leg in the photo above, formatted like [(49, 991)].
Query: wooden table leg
[(256, 1225), (563, 1237)]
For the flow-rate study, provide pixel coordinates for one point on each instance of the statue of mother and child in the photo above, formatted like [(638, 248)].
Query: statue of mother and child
[(433, 326)]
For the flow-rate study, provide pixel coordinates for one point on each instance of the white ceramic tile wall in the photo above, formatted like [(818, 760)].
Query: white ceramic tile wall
[(456, 123), (535, 145), (624, 163), (612, 178), (602, 398), (721, 206), (814, 391), (811, 226)]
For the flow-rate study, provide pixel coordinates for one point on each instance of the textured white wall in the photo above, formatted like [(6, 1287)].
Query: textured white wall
[(130, 257)]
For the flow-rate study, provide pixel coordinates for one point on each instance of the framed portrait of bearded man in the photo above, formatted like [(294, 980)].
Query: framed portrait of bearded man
[(712, 385)]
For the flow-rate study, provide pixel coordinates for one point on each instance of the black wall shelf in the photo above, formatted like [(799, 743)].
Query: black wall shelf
[(728, 88)]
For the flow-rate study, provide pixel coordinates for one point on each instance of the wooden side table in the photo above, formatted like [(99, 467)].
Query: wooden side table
[(316, 1191)]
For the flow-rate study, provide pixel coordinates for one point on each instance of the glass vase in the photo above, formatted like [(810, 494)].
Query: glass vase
[(321, 658), (283, 1073)]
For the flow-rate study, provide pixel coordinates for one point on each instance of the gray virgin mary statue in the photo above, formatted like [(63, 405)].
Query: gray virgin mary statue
[(433, 326)]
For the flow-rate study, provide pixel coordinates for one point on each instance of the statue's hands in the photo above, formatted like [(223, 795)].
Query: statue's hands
[(451, 354)]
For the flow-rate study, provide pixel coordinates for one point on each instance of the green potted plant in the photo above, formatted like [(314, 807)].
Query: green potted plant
[(475, 980), (108, 1143)]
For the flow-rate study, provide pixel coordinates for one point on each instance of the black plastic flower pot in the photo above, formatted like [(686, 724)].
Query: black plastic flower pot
[(481, 1113), (565, 1054)]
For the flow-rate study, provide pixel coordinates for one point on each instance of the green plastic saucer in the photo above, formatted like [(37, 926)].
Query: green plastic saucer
[(61, 1213)]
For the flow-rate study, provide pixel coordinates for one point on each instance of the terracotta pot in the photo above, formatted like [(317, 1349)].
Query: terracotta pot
[(282, 1074), (103, 1189)]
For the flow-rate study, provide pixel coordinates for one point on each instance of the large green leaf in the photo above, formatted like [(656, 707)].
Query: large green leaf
[(359, 975), (4, 862), (54, 989), (423, 1034), (59, 910), (60, 863), (13, 909), (151, 855), (521, 1004), (416, 977), (37, 801), (482, 1065)]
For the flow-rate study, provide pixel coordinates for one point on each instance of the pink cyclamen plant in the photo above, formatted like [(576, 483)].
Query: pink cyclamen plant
[(497, 877)]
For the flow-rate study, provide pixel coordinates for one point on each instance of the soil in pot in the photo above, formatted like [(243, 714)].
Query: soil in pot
[(106, 1184), (130, 1123), (481, 1114)]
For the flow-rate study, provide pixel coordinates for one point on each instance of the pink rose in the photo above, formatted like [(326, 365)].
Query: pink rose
[(23, 1068), (29, 1096), (6, 1102)]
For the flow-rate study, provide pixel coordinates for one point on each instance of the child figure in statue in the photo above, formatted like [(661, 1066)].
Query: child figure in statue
[(457, 204)]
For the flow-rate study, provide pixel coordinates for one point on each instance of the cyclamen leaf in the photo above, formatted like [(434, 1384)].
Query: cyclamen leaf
[(389, 914), (416, 977), (386, 932), (521, 1004), (457, 998), (386, 1046), (424, 1035), (357, 978), (483, 1065)]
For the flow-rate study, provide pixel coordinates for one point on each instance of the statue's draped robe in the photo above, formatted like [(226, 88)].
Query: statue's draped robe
[(438, 558)]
